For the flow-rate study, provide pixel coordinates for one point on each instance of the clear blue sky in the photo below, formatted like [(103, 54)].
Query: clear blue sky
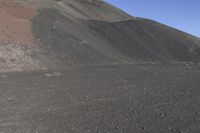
[(181, 14)]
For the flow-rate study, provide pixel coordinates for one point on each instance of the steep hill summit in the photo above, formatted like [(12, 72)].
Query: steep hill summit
[(51, 34)]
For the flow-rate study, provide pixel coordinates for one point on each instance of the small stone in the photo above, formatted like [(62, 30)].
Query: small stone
[(53, 74), (143, 128)]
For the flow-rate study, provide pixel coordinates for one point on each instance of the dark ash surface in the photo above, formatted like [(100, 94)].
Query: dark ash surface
[(122, 98)]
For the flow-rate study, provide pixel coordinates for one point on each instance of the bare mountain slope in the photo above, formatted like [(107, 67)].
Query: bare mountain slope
[(49, 34), (84, 9)]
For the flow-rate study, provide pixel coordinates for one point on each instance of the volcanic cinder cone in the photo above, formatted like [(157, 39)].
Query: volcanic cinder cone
[(50, 34), (88, 67)]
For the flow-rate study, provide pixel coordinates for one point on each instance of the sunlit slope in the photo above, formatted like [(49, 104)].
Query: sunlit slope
[(51, 34)]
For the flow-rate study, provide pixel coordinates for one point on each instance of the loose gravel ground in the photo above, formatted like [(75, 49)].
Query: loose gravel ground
[(106, 99)]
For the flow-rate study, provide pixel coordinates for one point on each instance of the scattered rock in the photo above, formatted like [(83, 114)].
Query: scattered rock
[(53, 74)]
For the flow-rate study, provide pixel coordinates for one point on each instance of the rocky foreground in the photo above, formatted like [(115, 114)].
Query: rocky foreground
[(105, 99)]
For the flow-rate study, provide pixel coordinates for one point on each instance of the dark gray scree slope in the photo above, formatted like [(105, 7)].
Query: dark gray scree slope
[(98, 41)]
